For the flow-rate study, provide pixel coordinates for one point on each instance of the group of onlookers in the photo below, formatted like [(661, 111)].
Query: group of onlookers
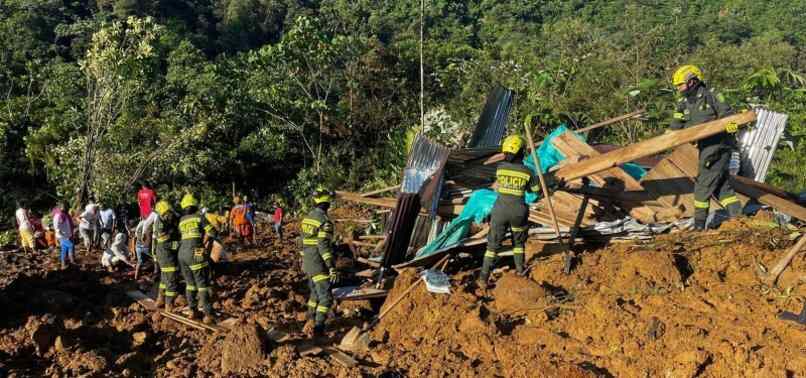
[(102, 227)]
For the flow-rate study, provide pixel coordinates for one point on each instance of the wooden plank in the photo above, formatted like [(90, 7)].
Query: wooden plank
[(615, 179), (569, 144), (379, 191), (670, 182), (752, 189), (149, 304), (651, 146)]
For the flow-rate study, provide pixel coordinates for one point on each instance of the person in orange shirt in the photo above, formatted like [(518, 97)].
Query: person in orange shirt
[(239, 222)]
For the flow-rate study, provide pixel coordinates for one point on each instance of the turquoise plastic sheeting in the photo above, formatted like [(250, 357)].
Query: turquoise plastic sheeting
[(481, 201)]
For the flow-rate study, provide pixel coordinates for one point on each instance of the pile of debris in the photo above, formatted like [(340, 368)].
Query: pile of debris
[(609, 194)]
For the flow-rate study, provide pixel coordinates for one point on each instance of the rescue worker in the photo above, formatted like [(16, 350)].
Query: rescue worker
[(698, 104), (510, 212), (193, 258), (317, 258), (165, 242)]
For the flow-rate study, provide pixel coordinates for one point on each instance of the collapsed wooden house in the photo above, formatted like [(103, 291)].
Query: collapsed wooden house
[(438, 183)]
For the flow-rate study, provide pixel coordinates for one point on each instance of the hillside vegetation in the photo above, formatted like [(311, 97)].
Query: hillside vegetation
[(278, 95)]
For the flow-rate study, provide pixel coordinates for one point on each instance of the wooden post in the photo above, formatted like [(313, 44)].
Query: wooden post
[(542, 181)]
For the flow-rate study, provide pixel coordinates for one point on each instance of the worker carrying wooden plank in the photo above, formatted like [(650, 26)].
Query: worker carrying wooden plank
[(699, 104)]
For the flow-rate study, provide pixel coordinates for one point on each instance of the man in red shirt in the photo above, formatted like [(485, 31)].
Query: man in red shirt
[(146, 198), (277, 218)]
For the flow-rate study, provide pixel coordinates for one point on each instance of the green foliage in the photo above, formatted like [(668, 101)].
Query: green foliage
[(279, 95)]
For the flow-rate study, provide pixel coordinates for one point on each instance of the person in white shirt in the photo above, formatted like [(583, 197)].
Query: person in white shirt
[(107, 222), (63, 227), (116, 254), (88, 226), (25, 229), (143, 235)]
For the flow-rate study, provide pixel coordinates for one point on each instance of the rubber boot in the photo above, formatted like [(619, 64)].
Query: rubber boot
[(700, 217), (734, 210), (64, 265), (72, 259), (160, 299), (519, 257), (319, 330)]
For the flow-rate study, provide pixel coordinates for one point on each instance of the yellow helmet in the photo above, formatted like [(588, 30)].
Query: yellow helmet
[(686, 73), (188, 200), (162, 207), (512, 144), (323, 195)]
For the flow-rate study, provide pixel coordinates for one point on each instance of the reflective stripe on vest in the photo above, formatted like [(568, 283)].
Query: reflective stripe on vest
[(189, 228), (512, 182)]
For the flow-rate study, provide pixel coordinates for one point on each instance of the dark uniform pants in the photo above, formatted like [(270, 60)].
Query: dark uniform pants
[(712, 179), (321, 298), (169, 265), (195, 268), (506, 216)]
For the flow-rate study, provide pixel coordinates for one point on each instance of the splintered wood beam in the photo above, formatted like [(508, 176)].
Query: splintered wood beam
[(651, 146), (768, 195), (379, 191)]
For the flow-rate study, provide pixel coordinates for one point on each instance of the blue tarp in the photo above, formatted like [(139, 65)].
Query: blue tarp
[(481, 201)]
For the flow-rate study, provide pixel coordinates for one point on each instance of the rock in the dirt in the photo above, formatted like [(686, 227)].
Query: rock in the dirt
[(138, 338), (516, 294), (43, 334), (355, 341), (690, 363), (244, 349), (62, 344)]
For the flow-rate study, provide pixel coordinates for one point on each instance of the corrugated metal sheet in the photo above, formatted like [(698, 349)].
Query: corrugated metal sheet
[(493, 120), (758, 144), (398, 237), (425, 159)]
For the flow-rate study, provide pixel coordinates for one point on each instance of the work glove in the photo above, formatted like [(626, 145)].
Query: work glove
[(731, 128), (334, 276), (552, 182)]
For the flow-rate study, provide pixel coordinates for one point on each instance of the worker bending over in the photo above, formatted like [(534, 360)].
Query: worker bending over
[(697, 105), (317, 258), (165, 242)]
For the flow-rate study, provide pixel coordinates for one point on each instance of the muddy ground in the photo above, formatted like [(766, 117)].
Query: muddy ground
[(683, 305)]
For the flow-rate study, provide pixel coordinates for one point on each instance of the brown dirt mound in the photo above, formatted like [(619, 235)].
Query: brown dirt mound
[(244, 349), (645, 271), (430, 334)]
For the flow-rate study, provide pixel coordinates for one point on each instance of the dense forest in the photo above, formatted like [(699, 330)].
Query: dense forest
[(277, 95)]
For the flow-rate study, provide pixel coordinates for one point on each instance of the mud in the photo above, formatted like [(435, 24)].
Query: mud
[(682, 305)]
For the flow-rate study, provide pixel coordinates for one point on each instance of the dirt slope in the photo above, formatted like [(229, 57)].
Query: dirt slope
[(680, 306)]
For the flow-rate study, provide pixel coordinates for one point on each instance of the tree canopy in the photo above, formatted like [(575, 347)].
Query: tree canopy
[(278, 95)]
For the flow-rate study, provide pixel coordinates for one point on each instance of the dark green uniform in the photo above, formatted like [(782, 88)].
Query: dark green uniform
[(166, 242), (509, 213), (193, 260), (699, 105), (317, 261)]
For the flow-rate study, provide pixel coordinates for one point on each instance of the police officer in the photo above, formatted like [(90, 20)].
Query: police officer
[(698, 104), (165, 242), (510, 212), (317, 258), (194, 257)]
